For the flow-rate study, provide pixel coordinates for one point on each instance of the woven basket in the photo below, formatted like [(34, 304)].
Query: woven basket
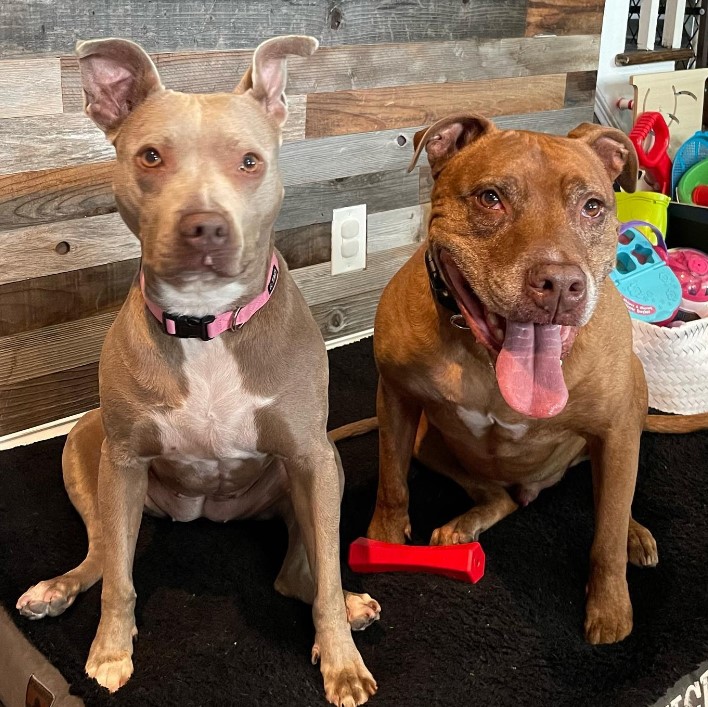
[(675, 364)]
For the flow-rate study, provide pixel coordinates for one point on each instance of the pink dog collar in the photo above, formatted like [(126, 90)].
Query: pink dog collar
[(210, 326)]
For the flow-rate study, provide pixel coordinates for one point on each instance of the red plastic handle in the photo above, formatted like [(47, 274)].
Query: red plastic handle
[(655, 160), (650, 122), (464, 562)]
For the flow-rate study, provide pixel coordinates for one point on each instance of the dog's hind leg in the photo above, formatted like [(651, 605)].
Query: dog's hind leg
[(295, 577), (641, 546), (80, 460), (492, 502)]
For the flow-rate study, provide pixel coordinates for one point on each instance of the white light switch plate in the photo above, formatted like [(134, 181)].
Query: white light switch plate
[(348, 239)]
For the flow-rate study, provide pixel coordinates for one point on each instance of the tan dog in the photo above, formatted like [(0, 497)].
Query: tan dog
[(228, 427), (522, 236)]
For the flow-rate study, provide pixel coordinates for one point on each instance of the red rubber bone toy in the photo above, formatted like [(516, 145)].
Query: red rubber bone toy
[(464, 562)]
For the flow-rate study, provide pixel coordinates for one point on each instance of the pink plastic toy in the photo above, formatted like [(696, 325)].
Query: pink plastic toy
[(691, 268), (464, 562)]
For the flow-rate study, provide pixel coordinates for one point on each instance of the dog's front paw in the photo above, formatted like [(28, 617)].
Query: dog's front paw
[(641, 546), (110, 670), (362, 610), (347, 681), (48, 598), (463, 529), (109, 665), (389, 526), (608, 613)]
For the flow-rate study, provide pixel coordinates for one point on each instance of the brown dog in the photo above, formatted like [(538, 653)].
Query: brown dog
[(522, 236), (213, 379)]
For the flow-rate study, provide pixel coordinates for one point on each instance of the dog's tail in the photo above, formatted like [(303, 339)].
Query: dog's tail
[(354, 429), (676, 424), (666, 424)]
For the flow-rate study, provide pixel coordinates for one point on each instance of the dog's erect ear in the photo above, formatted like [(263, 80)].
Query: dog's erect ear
[(444, 138), (615, 151), (267, 76), (116, 76)]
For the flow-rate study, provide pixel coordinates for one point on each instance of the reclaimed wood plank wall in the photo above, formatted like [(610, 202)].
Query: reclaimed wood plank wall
[(384, 70)]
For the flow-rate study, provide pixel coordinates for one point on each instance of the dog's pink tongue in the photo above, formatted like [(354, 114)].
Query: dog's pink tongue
[(529, 370)]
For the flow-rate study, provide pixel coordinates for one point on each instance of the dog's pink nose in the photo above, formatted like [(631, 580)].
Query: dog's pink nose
[(204, 230), (557, 288)]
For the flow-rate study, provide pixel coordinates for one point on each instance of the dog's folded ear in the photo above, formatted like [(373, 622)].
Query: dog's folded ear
[(267, 76), (116, 76), (447, 136), (615, 151)]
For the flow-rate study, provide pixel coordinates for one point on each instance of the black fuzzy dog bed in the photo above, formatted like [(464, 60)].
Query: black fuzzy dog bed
[(214, 632)]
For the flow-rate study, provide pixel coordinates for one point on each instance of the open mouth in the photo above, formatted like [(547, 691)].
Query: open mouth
[(528, 355)]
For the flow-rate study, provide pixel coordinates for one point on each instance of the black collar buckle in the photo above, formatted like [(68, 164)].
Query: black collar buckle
[(186, 327)]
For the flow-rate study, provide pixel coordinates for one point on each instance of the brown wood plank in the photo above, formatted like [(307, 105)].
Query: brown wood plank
[(41, 26), (371, 66), (54, 348), (40, 400), (580, 88), (344, 112), (31, 198), (564, 17), (306, 245), (30, 87), (30, 304)]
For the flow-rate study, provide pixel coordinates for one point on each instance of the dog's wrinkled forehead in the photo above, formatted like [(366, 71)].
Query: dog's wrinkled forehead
[(527, 162)]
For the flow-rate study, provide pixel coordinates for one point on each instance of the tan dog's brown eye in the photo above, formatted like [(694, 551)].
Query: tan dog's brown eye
[(490, 199), (249, 163), (150, 158), (592, 208)]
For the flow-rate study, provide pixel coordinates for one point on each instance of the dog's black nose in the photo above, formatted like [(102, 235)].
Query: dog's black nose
[(204, 230), (556, 288)]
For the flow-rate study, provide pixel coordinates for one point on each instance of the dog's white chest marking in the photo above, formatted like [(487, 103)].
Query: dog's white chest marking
[(479, 423), (210, 464), (216, 423)]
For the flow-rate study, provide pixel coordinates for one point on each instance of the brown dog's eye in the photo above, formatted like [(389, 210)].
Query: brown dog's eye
[(592, 208), (150, 157), (490, 199), (249, 163)]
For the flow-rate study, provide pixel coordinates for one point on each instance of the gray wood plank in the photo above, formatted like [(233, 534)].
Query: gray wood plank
[(30, 87), (32, 252), (46, 26), (47, 142), (334, 157), (313, 202), (372, 66)]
